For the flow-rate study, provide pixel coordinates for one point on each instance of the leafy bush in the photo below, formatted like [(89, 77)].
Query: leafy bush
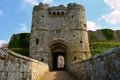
[(22, 51), (20, 43), (109, 34), (21, 40), (92, 37)]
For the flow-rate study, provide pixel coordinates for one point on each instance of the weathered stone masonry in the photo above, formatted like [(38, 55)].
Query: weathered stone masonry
[(59, 30), (105, 66), (16, 67)]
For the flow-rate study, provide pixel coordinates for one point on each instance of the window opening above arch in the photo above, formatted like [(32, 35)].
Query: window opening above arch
[(58, 33)]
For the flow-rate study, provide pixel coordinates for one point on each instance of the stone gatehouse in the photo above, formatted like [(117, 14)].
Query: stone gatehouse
[(59, 31)]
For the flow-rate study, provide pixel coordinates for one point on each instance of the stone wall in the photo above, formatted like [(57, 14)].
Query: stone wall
[(16, 67), (105, 66), (99, 36)]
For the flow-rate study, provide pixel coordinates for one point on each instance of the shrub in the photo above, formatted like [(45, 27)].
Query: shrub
[(109, 34)]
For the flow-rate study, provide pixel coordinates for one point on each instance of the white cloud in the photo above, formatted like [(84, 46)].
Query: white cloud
[(116, 28), (32, 2), (27, 3), (3, 43), (114, 16), (92, 26), (113, 4), (23, 27), (47, 1), (1, 12)]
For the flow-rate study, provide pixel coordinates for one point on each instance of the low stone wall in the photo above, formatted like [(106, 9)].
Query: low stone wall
[(16, 67), (105, 66)]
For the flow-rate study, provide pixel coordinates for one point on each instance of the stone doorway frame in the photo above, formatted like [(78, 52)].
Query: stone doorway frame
[(57, 46)]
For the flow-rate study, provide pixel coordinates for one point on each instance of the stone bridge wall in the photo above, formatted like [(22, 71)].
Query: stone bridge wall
[(16, 67), (105, 66)]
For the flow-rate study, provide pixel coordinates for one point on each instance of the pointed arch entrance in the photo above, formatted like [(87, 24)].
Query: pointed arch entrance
[(58, 54)]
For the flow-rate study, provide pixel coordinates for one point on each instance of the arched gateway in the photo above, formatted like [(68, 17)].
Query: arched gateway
[(59, 35), (58, 52)]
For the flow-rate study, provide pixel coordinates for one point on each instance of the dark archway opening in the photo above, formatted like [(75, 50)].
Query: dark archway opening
[(58, 61)]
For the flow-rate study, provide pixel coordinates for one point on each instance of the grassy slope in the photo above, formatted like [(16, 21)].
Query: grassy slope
[(99, 47)]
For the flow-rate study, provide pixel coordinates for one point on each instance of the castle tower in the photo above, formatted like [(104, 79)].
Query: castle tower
[(59, 31)]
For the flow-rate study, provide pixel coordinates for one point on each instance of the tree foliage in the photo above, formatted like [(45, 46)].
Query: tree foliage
[(21, 40), (109, 34), (20, 43)]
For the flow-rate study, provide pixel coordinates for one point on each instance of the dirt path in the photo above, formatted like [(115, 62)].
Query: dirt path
[(58, 75)]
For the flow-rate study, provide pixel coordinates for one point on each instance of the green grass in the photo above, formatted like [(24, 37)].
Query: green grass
[(100, 47)]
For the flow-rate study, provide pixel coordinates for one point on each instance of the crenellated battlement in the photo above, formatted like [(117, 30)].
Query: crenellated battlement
[(70, 6), (40, 6), (75, 5)]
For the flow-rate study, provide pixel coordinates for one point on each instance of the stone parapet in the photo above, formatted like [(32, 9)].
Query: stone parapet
[(17, 67), (105, 66)]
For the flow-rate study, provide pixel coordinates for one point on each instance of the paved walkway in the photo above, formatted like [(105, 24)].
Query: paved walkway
[(58, 75)]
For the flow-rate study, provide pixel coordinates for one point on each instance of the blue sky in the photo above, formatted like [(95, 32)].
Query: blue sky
[(16, 15)]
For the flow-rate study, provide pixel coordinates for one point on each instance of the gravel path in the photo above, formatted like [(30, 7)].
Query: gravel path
[(58, 75)]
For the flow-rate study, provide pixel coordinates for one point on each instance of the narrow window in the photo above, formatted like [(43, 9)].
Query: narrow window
[(37, 41), (42, 59), (73, 35), (42, 16), (81, 42), (75, 58), (85, 52), (85, 25), (72, 16)]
